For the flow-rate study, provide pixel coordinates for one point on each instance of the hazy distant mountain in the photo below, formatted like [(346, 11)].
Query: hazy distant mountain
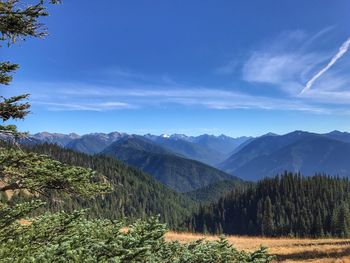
[(222, 144), (95, 142), (44, 137), (260, 146), (241, 146), (205, 148), (55, 138), (297, 151), (190, 150), (171, 169), (338, 135), (208, 149)]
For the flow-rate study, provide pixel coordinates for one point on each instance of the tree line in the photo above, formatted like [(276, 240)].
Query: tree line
[(286, 205)]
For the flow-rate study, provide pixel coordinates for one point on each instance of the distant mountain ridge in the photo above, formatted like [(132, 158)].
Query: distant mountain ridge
[(189, 149), (205, 148), (246, 157), (260, 146), (94, 143), (338, 135), (55, 138), (297, 151)]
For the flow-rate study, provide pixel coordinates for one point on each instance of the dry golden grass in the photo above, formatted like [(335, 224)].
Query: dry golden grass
[(286, 249), (292, 250), (24, 222), (10, 193)]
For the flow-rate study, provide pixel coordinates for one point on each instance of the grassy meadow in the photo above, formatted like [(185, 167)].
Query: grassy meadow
[(325, 250)]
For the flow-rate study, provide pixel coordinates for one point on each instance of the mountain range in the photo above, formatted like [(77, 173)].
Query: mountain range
[(298, 151), (205, 148), (55, 138), (95, 142), (181, 162), (186, 163)]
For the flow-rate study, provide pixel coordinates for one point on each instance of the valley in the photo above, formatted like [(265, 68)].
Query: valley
[(200, 201), (174, 131), (299, 203)]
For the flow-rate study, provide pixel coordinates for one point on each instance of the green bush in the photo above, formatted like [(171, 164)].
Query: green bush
[(63, 237)]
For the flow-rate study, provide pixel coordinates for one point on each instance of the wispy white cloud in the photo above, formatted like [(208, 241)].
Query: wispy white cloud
[(124, 75), (341, 52), (283, 63), (317, 37), (282, 70), (105, 98), (291, 63), (78, 106)]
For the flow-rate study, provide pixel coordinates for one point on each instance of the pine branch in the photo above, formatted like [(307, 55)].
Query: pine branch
[(13, 108), (5, 69)]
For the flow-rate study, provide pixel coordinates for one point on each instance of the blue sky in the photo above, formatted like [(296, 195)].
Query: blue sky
[(199, 66)]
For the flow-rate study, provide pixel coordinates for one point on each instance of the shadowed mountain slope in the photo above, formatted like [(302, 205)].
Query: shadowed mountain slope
[(171, 169)]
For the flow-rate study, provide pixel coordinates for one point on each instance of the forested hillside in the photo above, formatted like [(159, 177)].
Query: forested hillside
[(134, 195), (288, 205), (176, 172), (215, 191)]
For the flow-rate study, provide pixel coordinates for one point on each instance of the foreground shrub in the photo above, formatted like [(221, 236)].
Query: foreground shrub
[(63, 237)]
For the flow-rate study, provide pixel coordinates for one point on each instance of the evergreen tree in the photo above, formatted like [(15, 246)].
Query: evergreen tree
[(318, 225), (267, 225), (20, 170), (341, 221), (17, 23), (344, 220)]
